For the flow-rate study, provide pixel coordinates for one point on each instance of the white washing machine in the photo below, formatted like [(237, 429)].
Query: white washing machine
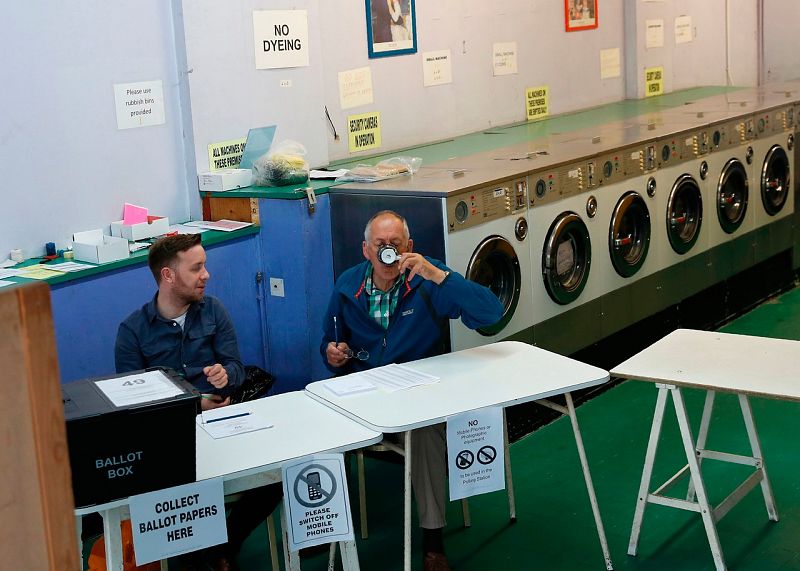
[(679, 233), (680, 209), (773, 157), (728, 191), (591, 228), (473, 222)]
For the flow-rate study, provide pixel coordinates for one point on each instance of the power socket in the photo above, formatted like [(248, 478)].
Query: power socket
[(276, 287)]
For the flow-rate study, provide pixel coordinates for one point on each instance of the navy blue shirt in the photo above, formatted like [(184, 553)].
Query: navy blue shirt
[(145, 339)]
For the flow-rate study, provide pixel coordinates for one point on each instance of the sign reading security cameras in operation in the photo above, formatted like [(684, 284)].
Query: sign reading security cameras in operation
[(317, 502), (281, 38), (475, 453)]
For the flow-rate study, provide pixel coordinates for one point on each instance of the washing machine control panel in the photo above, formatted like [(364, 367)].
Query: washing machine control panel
[(584, 176), (774, 121), (480, 205), (725, 135), (682, 147)]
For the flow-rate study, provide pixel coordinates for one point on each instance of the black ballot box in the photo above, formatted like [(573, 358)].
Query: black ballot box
[(129, 434)]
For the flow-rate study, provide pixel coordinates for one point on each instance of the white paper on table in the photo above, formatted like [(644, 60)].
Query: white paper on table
[(69, 267), (223, 422), (7, 263), (4, 283), (9, 273), (224, 225), (349, 385), (138, 388), (394, 377), (184, 229)]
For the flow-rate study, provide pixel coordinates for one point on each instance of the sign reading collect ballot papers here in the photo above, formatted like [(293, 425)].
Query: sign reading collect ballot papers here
[(178, 520), (317, 503), (475, 452)]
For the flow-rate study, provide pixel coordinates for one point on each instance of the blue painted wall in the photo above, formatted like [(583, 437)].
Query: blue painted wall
[(296, 247)]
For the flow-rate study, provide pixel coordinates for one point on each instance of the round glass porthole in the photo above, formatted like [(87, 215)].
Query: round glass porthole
[(495, 264), (775, 180), (566, 258), (684, 214), (732, 196), (629, 234)]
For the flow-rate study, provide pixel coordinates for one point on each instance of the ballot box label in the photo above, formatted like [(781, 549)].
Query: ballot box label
[(475, 452), (178, 520), (316, 501)]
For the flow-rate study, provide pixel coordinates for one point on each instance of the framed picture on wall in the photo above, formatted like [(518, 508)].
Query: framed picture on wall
[(391, 27), (580, 14)]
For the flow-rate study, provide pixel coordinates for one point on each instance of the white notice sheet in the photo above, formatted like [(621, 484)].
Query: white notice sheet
[(393, 377), (226, 421), (349, 385), (138, 388)]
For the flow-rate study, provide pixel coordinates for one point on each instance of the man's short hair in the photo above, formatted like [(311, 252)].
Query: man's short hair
[(368, 227), (165, 251)]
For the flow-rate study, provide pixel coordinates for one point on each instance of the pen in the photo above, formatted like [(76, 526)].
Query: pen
[(335, 331), (228, 417)]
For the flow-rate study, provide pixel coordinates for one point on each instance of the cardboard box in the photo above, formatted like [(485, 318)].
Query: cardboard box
[(155, 226), (226, 179), (92, 246), (118, 451)]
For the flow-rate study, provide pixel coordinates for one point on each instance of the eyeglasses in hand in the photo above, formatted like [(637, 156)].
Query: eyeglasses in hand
[(361, 354)]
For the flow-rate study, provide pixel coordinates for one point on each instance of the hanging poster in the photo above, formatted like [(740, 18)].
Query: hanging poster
[(580, 15), (281, 38), (653, 81), (391, 27)]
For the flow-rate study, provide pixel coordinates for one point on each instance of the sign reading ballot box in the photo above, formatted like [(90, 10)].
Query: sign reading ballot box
[(92, 246), (317, 502), (178, 520), (127, 434), (475, 451)]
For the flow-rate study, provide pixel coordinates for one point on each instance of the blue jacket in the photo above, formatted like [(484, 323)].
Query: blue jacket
[(145, 339), (413, 332)]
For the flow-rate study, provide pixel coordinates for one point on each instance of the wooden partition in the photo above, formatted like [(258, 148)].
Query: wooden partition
[(37, 522)]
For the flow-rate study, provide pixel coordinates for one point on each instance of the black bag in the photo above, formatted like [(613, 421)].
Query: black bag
[(256, 384)]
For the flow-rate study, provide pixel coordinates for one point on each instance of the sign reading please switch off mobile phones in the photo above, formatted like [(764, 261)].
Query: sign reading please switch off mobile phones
[(316, 501)]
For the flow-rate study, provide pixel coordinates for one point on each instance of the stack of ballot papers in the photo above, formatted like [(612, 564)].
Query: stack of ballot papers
[(389, 378)]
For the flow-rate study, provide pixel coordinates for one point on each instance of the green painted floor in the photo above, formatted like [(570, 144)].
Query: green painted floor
[(555, 529)]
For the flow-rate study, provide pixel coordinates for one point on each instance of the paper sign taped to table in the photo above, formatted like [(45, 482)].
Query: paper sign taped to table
[(475, 452), (147, 386), (316, 501), (178, 520), (229, 421)]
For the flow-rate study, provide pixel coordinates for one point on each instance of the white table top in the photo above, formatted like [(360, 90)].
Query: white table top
[(301, 426), (501, 374), (719, 361)]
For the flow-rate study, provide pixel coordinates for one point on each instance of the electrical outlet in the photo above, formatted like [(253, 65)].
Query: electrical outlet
[(286, 83), (276, 287)]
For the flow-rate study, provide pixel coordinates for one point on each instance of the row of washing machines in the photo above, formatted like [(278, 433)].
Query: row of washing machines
[(581, 234)]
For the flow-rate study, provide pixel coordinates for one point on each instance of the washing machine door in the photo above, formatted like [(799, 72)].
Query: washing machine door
[(629, 234), (684, 214), (732, 195), (495, 264), (566, 258), (775, 180)]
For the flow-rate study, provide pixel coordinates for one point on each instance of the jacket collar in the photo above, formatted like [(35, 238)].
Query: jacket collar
[(151, 310)]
